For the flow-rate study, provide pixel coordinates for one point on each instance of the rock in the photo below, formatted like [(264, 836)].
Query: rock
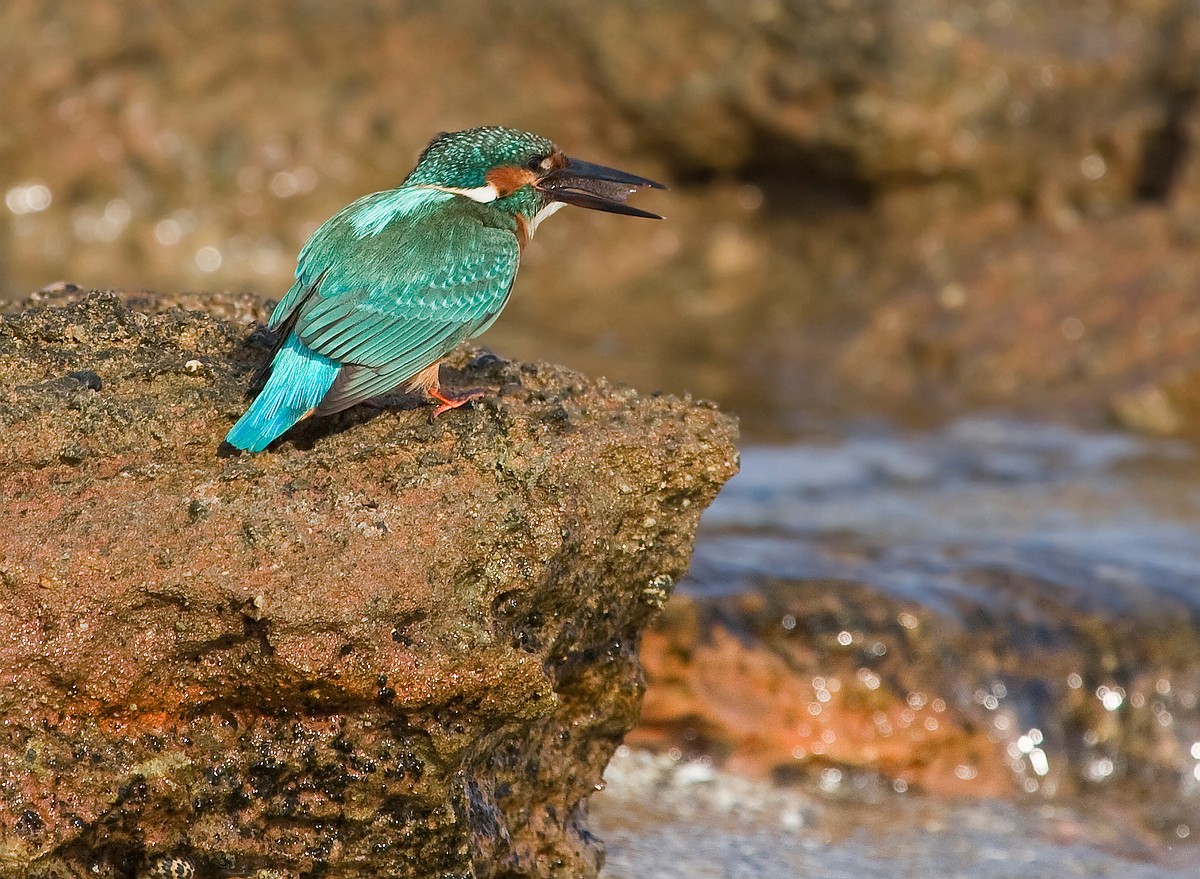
[(1011, 685), (802, 680), (386, 647), (1080, 102), (1148, 409), (1020, 317)]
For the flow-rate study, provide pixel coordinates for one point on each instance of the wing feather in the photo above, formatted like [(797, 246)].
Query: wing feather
[(391, 301), (358, 383)]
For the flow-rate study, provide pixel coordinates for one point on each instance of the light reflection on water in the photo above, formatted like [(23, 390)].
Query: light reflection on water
[(669, 819), (1061, 568)]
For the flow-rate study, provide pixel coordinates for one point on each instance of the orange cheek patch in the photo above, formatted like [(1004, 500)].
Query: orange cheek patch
[(507, 179)]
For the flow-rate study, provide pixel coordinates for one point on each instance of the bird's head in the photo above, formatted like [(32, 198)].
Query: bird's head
[(524, 174)]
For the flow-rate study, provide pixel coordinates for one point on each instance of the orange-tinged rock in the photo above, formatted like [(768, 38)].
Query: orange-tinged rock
[(384, 647), (771, 706)]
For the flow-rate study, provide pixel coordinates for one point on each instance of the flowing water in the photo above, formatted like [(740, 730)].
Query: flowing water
[(662, 820), (1057, 573)]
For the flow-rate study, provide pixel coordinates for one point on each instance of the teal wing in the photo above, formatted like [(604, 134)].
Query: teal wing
[(389, 294)]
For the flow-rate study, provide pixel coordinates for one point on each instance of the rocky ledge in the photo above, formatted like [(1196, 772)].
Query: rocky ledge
[(386, 647)]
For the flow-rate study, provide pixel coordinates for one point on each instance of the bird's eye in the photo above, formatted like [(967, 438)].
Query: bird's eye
[(537, 163)]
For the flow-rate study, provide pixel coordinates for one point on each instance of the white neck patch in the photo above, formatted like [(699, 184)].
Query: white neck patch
[(482, 194), (542, 214)]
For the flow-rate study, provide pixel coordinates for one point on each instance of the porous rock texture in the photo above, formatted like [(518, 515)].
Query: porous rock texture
[(386, 647)]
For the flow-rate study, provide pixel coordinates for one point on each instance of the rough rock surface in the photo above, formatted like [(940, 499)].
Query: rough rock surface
[(387, 647)]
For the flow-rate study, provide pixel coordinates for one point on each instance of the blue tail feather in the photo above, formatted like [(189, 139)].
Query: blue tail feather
[(300, 377)]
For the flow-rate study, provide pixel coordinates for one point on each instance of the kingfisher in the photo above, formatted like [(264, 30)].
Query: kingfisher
[(394, 281)]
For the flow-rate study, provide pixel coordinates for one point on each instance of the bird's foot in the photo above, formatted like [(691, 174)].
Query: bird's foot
[(447, 402)]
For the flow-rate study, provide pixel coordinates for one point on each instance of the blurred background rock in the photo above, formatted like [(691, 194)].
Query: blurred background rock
[(883, 216), (897, 209)]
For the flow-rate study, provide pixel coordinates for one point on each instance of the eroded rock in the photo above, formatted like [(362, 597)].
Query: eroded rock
[(386, 647)]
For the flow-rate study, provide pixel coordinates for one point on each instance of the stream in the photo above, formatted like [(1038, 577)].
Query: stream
[(1057, 574)]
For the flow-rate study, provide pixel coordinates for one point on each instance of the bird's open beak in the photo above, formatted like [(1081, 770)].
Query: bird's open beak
[(596, 187)]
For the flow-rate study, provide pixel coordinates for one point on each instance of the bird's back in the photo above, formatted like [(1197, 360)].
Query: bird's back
[(384, 289), (392, 283)]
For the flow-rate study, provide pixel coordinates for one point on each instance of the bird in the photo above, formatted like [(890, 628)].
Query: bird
[(393, 282)]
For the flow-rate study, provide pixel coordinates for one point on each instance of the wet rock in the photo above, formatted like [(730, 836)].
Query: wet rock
[(815, 684), (385, 647), (1011, 686)]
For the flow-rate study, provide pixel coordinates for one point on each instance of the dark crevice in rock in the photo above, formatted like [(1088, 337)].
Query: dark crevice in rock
[(1165, 150), (795, 180), (804, 181)]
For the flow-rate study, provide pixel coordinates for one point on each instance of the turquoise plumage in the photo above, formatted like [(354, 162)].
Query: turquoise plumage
[(393, 282), (300, 378)]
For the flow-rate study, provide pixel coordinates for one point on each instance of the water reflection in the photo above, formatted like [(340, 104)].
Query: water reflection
[(669, 818), (1049, 580)]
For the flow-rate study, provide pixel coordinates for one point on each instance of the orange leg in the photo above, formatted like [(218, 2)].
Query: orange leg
[(446, 403), (427, 380)]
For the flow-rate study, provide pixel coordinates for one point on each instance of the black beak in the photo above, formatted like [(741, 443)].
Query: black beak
[(596, 187)]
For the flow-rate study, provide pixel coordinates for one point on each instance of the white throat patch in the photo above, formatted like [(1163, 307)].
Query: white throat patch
[(542, 214)]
